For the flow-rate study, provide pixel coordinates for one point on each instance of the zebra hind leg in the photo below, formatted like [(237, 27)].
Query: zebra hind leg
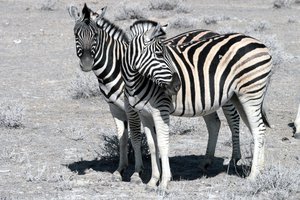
[(251, 112), (213, 126), (233, 119)]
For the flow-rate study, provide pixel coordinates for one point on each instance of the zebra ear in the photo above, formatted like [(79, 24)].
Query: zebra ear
[(100, 13), (156, 32), (73, 12), (86, 12), (174, 86)]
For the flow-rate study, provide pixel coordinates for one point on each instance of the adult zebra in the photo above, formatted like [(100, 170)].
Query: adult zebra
[(100, 45), (200, 77)]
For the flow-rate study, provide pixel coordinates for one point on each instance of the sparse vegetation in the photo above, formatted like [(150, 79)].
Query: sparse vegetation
[(111, 146), (133, 11), (210, 20), (259, 26), (84, 85), (48, 5), (276, 182), (11, 115), (164, 5), (183, 22), (282, 3), (183, 126)]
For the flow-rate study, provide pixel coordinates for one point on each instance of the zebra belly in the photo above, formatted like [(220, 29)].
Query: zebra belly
[(187, 108)]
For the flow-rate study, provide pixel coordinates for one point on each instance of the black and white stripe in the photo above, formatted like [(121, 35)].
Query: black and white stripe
[(100, 45), (206, 74)]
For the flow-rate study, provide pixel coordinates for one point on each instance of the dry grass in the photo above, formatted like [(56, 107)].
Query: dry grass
[(283, 3), (84, 85), (111, 148), (48, 5), (132, 11), (11, 115), (184, 23)]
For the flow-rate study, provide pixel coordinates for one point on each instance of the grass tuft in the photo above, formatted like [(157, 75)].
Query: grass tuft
[(276, 182), (282, 4), (11, 115), (111, 147), (164, 5), (211, 20), (133, 11), (48, 5), (84, 86), (183, 22)]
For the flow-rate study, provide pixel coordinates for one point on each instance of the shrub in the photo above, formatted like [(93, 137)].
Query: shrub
[(84, 86), (48, 5), (130, 12), (111, 147), (282, 3), (276, 182), (163, 5), (182, 23), (11, 115), (210, 20)]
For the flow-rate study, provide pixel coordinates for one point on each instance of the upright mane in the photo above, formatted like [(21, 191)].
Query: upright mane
[(112, 30), (141, 26)]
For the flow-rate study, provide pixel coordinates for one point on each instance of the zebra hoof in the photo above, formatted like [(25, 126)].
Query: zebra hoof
[(135, 178), (205, 164), (234, 161), (162, 192), (297, 136), (116, 177), (150, 188)]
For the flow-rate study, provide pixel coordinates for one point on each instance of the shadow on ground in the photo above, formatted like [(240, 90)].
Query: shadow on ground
[(182, 167)]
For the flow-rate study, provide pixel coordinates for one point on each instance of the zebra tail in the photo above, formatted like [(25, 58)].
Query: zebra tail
[(264, 118)]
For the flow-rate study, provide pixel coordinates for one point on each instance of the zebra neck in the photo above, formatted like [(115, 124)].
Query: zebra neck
[(112, 30)]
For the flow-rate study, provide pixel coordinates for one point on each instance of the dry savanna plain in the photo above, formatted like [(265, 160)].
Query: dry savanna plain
[(57, 136)]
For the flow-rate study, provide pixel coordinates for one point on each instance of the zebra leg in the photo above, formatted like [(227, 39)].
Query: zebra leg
[(121, 123), (149, 129), (161, 120), (136, 137), (233, 119), (213, 126), (250, 110)]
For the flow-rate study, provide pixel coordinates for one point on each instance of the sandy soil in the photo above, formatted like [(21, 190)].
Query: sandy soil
[(58, 153)]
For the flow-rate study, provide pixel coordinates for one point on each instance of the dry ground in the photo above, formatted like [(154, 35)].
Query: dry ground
[(57, 153)]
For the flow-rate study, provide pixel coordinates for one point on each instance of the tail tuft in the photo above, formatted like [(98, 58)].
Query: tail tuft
[(265, 119)]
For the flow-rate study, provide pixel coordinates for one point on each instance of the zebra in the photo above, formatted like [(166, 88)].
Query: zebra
[(196, 79), (100, 45)]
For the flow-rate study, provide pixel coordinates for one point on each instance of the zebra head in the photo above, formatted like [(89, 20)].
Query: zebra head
[(86, 35), (149, 56)]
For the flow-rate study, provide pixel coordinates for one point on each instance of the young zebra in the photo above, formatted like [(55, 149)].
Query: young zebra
[(100, 45), (200, 77)]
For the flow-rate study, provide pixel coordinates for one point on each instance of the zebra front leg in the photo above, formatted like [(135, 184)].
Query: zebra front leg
[(122, 131), (233, 119), (150, 132), (136, 137), (161, 121), (120, 118), (213, 126)]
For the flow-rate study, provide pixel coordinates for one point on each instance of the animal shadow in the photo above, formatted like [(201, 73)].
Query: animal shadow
[(182, 167)]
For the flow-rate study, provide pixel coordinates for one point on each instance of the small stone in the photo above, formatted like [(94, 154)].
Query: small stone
[(17, 41)]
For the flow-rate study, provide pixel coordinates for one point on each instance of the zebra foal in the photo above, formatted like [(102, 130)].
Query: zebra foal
[(196, 79)]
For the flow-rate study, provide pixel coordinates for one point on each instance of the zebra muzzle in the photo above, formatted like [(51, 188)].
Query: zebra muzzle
[(174, 86), (86, 63)]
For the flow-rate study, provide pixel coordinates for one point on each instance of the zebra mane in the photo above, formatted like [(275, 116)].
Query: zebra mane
[(112, 30), (141, 26)]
